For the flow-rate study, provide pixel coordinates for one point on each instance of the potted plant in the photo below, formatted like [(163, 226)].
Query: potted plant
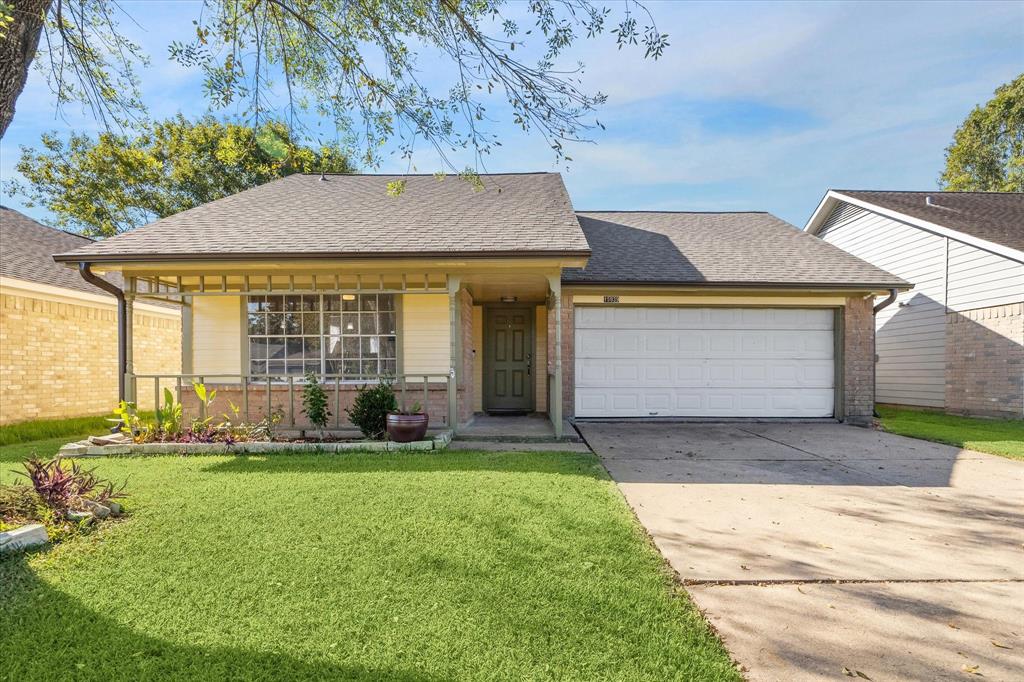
[(406, 426)]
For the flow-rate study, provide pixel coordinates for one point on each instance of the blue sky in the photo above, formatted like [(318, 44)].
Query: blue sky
[(755, 106)]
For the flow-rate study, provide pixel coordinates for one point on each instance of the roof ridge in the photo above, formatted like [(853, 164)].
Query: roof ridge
[(921, 191), (666, 211), (423, 175)]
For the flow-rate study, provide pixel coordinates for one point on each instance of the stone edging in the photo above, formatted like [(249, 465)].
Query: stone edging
[(87, 449)]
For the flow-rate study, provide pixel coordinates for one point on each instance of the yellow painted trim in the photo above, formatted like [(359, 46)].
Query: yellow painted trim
[(711, 299), (47, 292)]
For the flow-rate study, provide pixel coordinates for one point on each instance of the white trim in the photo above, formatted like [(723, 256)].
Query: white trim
[(48, 292), (832, 197)]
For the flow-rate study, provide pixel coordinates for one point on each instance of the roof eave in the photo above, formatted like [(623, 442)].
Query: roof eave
[(293, 255)]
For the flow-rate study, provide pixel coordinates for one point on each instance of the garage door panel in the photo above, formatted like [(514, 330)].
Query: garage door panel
[(696, 373), (612, 317), (704, 402), (698, 343), (704, 362)]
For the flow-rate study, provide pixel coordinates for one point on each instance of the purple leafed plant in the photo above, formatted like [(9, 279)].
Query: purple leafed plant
[(62, 487)]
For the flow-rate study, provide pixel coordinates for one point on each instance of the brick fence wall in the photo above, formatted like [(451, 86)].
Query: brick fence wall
[(859, 360), (59, 359), (985, 361)]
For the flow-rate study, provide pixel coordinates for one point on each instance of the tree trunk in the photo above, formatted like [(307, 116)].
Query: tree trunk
[(17, 50)]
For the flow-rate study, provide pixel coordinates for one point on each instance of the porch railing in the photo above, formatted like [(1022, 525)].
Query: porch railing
[(407, 386)]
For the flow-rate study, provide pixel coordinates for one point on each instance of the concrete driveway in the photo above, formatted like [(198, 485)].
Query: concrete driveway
[(820, 550)]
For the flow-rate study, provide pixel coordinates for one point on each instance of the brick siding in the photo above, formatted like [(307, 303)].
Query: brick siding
[(985, 361), (858, 360), (59, 360)]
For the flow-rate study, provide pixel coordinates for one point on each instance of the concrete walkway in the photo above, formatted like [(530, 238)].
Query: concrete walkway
[(815, 548)]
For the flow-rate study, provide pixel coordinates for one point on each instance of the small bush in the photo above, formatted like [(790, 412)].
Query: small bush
[(62, 487), (369, 411), (314, 403)]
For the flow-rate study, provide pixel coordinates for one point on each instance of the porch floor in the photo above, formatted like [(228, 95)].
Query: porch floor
[(524, 428)]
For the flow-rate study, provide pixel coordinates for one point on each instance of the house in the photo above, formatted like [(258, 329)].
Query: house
[(502, 300), (956, 342), (58, 333)]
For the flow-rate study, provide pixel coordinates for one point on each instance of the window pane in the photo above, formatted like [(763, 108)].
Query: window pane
[(333, 349), (313, 366), (370, 346), (311, 324), (332, 324), (256, 303), (293, 303), (275, 367), (275, 348), (295, 348), (388, 347), (386, 323), (350, 368), (275, 323), (349, 302), (334, 367), (332, 302), (368, 301), (350, 347), (388, 368), (294, 367), (311, 346), (257, 323), (292, 323), (370, 369), (257, 349), (274, 304), (367, 323), (386, 302), (349, 323), (258, 367), (311, 302)]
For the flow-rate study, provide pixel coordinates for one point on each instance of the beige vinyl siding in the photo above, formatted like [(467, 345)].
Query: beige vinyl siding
[(217, 335), (425, 334), (540, 362), (478, 358), (981, 279), (910, 336)]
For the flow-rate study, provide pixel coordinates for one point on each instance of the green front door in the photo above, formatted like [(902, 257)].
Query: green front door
[(508, 360)]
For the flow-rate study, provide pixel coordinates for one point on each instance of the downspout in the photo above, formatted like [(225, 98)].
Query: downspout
[(884, 303), (84, 269)]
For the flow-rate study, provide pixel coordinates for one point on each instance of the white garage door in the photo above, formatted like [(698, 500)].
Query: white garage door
[(704, 362)]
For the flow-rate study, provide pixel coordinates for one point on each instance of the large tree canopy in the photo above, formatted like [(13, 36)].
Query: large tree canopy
[(118, 182), (987, 154), (354, 61)]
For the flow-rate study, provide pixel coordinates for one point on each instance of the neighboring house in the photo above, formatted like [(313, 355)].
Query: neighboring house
[(504, 300), (955, 342), (58, 334)]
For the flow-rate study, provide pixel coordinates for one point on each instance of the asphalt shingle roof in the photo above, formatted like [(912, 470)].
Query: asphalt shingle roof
[(27, 248), (714, 248), (993, 216), (353, 215)]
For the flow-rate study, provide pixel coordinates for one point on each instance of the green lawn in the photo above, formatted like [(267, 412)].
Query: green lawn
[(407, 566), (998, 437)]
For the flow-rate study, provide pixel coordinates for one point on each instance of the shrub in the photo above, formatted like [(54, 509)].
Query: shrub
[(314, 403), (369, 411), (62, 487)]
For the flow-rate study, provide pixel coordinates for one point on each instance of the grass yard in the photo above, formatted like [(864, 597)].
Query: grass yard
[(998, 437), (456, 565)]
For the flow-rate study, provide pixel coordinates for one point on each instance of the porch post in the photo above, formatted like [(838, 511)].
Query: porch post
[(555, 408), (455, 344), (129, 326)]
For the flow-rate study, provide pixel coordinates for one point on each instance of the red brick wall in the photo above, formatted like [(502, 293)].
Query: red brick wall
[(985, 361), (466, 390), (859, 360), (437, 402)]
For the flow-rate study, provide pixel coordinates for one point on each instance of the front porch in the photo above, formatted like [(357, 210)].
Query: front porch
[(464, 343)]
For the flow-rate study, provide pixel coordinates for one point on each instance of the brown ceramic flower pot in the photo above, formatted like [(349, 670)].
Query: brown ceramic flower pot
[(405, 428)]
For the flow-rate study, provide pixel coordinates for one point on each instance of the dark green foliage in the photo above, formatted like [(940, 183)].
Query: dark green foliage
[(369, 411), (314, 403)]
